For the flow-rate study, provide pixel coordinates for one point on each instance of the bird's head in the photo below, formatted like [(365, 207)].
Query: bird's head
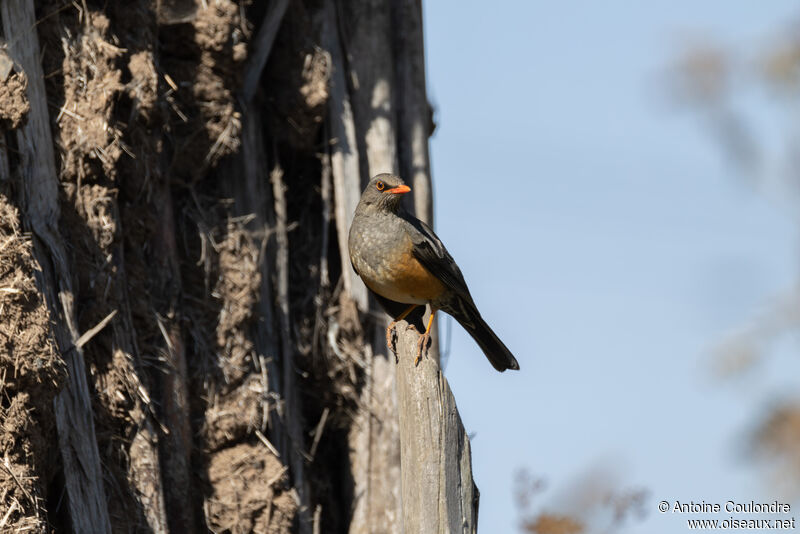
[(384, 191)]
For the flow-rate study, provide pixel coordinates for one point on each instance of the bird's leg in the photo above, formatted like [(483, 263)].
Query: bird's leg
[(390, 328), (423, 341)]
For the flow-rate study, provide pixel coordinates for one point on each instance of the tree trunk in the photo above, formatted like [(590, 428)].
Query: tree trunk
[(438, 492), (215, 363)]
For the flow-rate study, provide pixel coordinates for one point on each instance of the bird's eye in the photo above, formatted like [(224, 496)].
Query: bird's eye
[(380, 185)]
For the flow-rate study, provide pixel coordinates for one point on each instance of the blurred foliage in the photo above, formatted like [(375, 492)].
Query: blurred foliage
[(701, 75), (721, 82), (743, 349), (775, 440), (717, 82), (553, 524), (781, 62), (591, 504)]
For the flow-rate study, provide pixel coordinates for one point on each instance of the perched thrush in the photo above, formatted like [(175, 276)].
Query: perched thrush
[(405, 265)]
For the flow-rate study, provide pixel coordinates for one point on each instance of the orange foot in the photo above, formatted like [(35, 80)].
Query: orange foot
[(426, 337), (390, 336), (421, 345)]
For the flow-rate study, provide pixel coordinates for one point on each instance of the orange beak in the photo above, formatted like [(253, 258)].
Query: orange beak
[(399, 190)]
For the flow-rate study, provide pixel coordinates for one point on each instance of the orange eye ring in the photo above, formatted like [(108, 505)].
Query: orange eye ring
[(380, 185)]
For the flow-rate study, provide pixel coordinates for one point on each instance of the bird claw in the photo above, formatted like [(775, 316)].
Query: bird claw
[(390, 338), (422, 344), (391, 335)]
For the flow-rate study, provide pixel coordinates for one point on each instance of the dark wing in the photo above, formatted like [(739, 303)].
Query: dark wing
[(430, 252)]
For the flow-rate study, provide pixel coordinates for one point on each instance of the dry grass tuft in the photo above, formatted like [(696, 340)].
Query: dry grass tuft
[(251, 492), (86, 135), (14, 105), (31, 374)]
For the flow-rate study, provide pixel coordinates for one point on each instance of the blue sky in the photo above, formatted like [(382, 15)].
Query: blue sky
[(608, 242)]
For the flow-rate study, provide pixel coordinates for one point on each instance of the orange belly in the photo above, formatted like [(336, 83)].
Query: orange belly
[(406, 281)]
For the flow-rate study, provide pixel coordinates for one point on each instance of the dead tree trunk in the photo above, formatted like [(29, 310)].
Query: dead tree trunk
[(189, 171), (438, 491), (367, 25)]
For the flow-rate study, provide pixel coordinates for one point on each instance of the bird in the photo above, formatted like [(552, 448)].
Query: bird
[(405, 264)]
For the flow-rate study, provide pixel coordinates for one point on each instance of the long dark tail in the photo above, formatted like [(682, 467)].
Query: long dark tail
[(494, 349)]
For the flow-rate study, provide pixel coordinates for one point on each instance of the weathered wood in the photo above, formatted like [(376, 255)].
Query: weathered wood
[(262, 46), (364, 30), (375, 446), (439, 494), (145, 474), (176, 446), (367, 26), (5, 169), (144, 462), (367, 30), (19, 27), (343, 152), (251, 190), (260, 193), (368, 78), (414, 116), (293, 409), (74, 417), (413, 110)]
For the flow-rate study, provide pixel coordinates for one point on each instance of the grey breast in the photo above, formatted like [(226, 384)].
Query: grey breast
[(374, 242)]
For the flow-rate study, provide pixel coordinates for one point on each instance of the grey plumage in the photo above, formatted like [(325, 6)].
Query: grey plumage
[(382, 241)]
